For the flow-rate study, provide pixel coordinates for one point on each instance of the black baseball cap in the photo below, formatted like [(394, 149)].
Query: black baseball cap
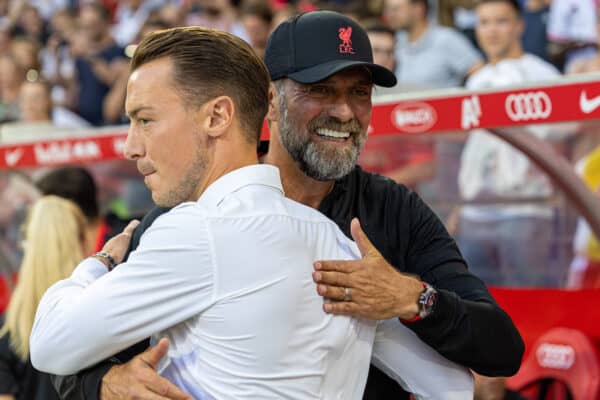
[(311, 47)]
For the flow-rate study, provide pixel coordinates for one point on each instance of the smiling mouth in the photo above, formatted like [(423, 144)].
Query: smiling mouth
[(331, 134)]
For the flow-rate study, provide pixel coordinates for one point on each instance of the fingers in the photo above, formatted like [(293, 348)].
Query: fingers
[(345, 266), (332, 292), (360, 237), (164, 389), (131, 227), (342, 308), (153, 355), (332, 278)]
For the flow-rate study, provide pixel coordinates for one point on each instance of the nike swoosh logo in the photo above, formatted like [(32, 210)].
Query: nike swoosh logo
[(588, 105), (12, 157)]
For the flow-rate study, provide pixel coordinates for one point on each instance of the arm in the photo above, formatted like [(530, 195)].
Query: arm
[(95, 314), (466, 326), (88, 383), (418, 368)]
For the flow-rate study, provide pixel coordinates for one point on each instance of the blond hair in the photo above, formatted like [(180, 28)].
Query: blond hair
[(54, 235)]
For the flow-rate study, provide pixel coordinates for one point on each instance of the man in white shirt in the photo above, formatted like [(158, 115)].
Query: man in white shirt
[(504, 243), (226, 274), (428, 55)]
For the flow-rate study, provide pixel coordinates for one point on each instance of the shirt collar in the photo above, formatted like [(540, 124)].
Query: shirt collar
[(265, 175)]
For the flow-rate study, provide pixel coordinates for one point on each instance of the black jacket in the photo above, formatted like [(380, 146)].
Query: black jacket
[(467, 326)]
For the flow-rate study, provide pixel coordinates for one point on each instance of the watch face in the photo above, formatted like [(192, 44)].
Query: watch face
[(427, 301)]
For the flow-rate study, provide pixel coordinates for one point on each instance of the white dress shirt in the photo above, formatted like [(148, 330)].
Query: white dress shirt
[(490, 167), (228, 280)]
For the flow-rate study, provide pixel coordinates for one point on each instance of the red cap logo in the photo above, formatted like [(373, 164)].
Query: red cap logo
[(346, 45)]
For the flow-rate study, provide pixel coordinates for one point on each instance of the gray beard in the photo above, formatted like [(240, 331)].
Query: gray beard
[(317, 162)]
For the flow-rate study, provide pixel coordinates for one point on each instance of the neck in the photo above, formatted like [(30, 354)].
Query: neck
[(225, 158), (417, 31), (514, 52), (296, 184)]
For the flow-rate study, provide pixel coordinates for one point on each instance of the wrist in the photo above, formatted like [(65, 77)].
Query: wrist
[(424, 304), (106, 259)]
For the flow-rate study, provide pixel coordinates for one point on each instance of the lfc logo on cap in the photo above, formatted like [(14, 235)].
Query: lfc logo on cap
[(346, 45)]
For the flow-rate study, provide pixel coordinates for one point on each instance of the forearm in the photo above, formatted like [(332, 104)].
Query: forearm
[(475, 334), (404, 357), (83, 386)]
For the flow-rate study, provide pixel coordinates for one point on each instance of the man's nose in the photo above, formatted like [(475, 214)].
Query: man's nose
[(342, 110), (134, 146)]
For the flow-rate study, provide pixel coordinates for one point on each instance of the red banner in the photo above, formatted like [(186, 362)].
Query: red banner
[(63, 151), (469, 110), (562, 102)]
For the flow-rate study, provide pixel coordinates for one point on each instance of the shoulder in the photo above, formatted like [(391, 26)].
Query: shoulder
[(542, 68), (375, 189), (446, 34), (477, 79)]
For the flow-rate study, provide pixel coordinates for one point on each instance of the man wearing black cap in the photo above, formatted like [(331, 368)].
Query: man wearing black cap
[(320, 107)]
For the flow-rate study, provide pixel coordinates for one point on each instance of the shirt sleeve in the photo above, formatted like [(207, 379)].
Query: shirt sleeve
[(466, 325), (462, 54), (94, 314), (418, 368)]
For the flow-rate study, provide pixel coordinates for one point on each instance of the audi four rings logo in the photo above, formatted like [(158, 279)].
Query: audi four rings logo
[(528, 106)]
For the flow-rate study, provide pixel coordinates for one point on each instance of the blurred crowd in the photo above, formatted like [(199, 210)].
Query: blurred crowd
[(64, 62)]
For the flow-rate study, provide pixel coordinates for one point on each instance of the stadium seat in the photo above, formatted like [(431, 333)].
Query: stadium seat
[(563, 363)]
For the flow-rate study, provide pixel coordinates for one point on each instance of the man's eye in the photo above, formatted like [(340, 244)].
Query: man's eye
[(319, 90)]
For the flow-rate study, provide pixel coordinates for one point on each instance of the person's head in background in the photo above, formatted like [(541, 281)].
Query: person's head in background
[(499, 29), (196, 99), (406, 15), (31, 23), (11, 78), (53, 244), (26, 52), (281, 13), (383, 42), (257, 18), (78, 185), (94, 22), (5, 42), (171, 14), (35, 104)]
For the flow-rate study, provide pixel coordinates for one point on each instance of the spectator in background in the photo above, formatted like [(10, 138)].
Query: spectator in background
[(535, 17), (54, 243), (130, 16), (216, 14), (98, 61), (503, 243), (383, 42), (35, 105), (257, 19), (26, 52), (58, 66), (406, 160), (30, 24), (572, 30), (78, 185), (428, 55), (11, 77)]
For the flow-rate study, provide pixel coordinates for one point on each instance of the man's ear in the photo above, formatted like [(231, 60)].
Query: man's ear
[(217, 115), (273, 113)]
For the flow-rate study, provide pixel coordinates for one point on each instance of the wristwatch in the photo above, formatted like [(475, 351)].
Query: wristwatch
[(426, 303), (426, 300), (110, 262)]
